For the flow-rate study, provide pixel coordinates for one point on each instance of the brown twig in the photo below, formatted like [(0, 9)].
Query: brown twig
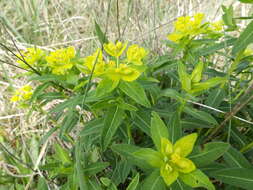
[(118, 25), (245, 99)]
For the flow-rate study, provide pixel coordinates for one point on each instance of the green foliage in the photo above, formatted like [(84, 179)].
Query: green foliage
[(123, 119)]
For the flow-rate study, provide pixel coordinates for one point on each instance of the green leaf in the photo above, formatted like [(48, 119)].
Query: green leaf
[(196, 75), (82, 179), (192, 123), (171, 93), (94, 168), (127, 150), (38, 90), (244, 39), (101, 35), (215, 47), (246, 1), (134, 183), (47, 97), (239, 177), (215, 98), (178, 185), (158, 130), (228, 18), (62, 154), (112, 121), (105, 181), (184, 77), (135, 91), (48, 134), (69, 122), (93, 185), (142, 121), (212, 151), (106, 86), (42, 184), (234, 158), (46, 78), (201, 115), (150, 156), (70, 103), (197, 179), (92, 127), (199, 87), (121, 171), (175, 128), (154, 182)]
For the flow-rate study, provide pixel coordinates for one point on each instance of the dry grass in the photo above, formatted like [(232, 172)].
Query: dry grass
[(56, 23)]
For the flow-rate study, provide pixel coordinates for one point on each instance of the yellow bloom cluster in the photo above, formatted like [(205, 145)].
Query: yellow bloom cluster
[(127, 70), (22, 94), (89, 61), (115, 50), (135, 54), (31, 56), (174, 157), (187, 26), (60, 61)]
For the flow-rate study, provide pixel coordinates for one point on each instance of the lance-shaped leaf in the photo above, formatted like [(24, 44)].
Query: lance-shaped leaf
[(154, 182), (135, 91), (239, 177), (197, 179), (199, 87), (150, 156), (212, 151), (112, 121), (127, 151), (197, 72), (134, 183), (175, 128), (234, 158), (158, 130), (244, 39), (184, 77)]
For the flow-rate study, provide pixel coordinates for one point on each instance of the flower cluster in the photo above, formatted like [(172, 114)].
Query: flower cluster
[(114, 69), (32, 56), (60, 61), (171, 159), (191, 27), (174, 158), (22, 94)]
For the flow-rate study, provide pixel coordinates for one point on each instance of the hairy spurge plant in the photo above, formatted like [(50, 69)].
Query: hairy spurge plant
[(126, 120)]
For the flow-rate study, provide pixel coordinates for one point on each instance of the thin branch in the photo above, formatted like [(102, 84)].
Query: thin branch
[(219, 111), (13, 65), (234, 111), (16, 158), (118, 25)]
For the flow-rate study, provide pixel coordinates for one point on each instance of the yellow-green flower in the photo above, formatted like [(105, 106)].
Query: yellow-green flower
[(32, 56), (123, 72), (115, 50), (175, 37), (60, 61), (22, 94), (171, 159), (174, 157), (183, 24), (135, 54), (187, 26), (191, 27), (216, 26), (89, 62)]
